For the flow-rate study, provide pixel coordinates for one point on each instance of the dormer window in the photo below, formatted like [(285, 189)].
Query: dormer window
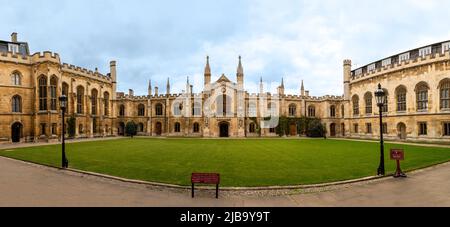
[(404, 57), (14, 48)]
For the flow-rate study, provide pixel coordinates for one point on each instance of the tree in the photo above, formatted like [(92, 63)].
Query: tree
[(71, 126), (315, 128), (131, 129)]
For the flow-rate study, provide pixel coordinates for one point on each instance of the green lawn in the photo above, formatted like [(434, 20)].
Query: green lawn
[(252, 162)]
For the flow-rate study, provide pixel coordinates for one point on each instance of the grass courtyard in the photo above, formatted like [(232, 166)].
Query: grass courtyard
[(252, 162)]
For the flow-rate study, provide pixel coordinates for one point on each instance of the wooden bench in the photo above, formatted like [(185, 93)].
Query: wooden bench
[(206, 178)]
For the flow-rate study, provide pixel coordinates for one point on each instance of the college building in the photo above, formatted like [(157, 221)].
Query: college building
[(417, 84)]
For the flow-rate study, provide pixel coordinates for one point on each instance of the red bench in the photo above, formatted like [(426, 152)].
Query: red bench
[(206, 178)]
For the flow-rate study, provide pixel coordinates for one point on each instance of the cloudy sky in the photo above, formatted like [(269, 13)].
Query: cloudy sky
[(294, 39)]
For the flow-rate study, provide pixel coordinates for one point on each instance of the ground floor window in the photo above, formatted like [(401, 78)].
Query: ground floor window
[(447, 129), (369, 128), (272, 130), (196, 128), (423, 128), (177, 127), (252, 128), (355, 128), (385, 128), (54, 126), (43, 126), (80, 129)]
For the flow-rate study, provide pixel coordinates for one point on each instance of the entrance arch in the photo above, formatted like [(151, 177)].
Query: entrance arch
[(16, 132), (333, 130), (401, 130), (224, 129), (293, 129), (158, 128)]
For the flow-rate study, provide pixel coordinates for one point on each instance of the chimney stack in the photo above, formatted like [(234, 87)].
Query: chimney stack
[(130, 92), (14, 37), (307, 93), (156, 91)]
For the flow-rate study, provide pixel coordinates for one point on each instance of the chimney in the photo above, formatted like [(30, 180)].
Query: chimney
[(14, 37), (156, 91), (130, 92), (191, 88), (307, 93)]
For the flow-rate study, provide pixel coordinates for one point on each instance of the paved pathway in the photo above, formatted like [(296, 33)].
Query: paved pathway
[(23, 184)]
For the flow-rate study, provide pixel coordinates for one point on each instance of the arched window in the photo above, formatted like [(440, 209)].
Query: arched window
[(177, 108), (400, 93), (159, 109), (368, 101), (177, 127), (355, 101), (122, 110), (197, 109), (17, 104), (252, 109), (332, 111), (65, 91), (311, 111), (106, 103), (80, 99), (385, 107), (342, 111), (272, 107), (94, 96), (422, 96), (141, 110), (53, 84), (252, 128), (42, 93), (196, 128), (445, 94), (292, 110), (16, 79)]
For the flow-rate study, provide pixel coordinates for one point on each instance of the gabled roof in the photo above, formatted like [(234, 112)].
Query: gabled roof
[(223, 78)]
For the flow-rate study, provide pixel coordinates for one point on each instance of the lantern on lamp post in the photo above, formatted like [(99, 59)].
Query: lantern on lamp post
[(380, 96), (63, 106)]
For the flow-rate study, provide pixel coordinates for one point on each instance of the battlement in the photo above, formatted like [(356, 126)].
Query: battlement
[(15, 58), (417, 57), (85, 72), (45, 56)]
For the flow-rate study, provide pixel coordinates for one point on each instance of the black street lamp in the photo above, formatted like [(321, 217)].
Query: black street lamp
[(63, 106), (381, 98)]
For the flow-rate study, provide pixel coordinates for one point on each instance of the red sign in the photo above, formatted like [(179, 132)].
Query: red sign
[(397, 154)]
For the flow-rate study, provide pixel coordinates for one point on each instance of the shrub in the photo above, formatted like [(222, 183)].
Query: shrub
[(71, 125), (131, 129)]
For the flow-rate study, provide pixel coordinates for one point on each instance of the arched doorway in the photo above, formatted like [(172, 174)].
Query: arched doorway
[(401, 130), (158, 129), (224, 128), (293, 129), (121, 129), (16, 132), (333, 130)]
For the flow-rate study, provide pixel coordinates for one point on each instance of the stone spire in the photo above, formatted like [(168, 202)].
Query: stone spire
[(240, 74), (187, 85), (302, 90), (168, 87), (261, 86), (282, 82), (207, 73)]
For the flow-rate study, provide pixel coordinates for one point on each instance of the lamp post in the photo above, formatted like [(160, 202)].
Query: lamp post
[(63, 106), (381, 97)]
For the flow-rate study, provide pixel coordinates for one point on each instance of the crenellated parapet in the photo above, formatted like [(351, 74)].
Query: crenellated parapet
[(85, 72), (414, 58), (46, 56)]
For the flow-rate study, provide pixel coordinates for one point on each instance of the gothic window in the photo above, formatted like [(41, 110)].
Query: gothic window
[(401, 98), (80, 100), (94, 95), (53, 84), (122, 110), (445, 94), (385, 107), (342, 111), (311, 111), (196, 128), (332, 111), (17, 104), (368, 100), (177, 127), (197, 109), (292, 110), (141, 110), (252, 109), (355, 101), (106, 103), (43, 93), (177, 108), (159, 109), (65, 91), (422, 96), (252, 128), (16, 79)]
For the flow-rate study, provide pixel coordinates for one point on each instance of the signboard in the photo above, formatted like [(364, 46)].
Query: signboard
[(397, 154)]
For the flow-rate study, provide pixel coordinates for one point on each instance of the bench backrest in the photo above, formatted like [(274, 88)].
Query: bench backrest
[(205, 178)]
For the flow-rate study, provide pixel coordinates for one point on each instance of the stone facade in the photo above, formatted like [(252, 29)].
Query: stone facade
[(31, 84)]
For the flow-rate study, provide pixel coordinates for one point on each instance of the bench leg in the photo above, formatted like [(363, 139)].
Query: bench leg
[(217, 191), (192, 190)]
